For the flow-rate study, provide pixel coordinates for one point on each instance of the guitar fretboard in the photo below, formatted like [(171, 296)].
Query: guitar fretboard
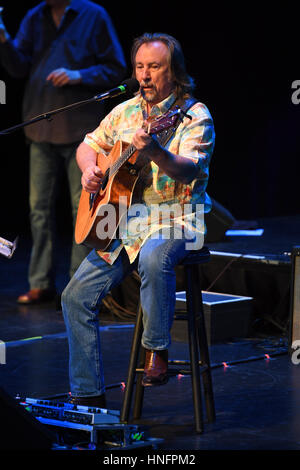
[(123, 158)]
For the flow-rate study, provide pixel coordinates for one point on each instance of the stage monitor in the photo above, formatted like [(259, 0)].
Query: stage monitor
[(294, 339)]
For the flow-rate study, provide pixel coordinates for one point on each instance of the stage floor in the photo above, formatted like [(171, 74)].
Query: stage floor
[(256, 384)]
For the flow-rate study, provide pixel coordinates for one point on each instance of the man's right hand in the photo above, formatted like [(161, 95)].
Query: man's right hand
[(91, 179)]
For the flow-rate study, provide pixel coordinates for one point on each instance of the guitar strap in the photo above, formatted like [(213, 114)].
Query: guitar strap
[(184, 107)]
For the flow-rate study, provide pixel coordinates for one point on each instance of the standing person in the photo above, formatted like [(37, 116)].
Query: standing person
[(67, 50), (176, 173)]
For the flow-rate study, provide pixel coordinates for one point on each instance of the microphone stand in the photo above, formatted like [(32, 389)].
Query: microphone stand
[(48, 115), (12, 246)]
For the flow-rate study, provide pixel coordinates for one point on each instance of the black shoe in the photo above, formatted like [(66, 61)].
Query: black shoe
[(93, 402)]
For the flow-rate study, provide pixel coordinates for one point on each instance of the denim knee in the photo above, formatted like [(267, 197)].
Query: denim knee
[(70, 297), (65, 295)]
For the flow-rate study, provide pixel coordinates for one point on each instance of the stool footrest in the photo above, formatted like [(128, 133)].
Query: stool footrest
[(181, 362), (176, 362)]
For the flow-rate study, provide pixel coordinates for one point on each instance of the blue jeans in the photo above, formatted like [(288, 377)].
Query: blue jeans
[(47, 162), (93, 280)]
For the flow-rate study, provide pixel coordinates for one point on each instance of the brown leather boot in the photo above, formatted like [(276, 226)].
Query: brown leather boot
[(156, 368), (36, 296)]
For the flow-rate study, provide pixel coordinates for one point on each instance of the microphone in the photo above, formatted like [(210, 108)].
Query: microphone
[(131, 85)]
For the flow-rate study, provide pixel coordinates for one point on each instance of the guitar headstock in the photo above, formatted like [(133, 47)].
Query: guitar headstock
[(163, 122)]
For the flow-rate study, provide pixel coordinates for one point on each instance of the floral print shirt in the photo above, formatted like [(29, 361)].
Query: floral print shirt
[(164, 202)]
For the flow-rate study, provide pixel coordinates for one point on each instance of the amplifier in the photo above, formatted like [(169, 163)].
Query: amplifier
[(226, 316)]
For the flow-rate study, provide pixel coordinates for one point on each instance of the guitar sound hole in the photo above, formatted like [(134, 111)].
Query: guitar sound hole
[(105, 180)]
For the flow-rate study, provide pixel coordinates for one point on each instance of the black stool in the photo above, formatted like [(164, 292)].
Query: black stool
[(197, 344)]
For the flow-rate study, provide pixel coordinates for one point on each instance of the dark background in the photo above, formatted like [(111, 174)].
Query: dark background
[(244, 60)]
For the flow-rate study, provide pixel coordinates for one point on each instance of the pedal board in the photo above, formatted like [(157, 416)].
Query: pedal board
[(77, 414), (94, 428)]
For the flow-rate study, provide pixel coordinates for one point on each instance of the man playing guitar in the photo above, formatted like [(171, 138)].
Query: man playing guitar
[(169, 173)]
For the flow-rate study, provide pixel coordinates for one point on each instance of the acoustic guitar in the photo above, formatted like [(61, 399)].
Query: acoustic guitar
[(99, 214)]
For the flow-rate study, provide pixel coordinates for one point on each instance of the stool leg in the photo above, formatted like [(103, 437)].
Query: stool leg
[(204, 353), (139, 388), (206, 374), (191, 296), (124, 415)]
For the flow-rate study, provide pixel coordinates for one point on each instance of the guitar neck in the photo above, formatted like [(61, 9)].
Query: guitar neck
[(161, 124), (122, 159)]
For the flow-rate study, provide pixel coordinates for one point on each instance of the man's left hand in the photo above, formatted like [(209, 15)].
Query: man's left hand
[(147, 145)]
